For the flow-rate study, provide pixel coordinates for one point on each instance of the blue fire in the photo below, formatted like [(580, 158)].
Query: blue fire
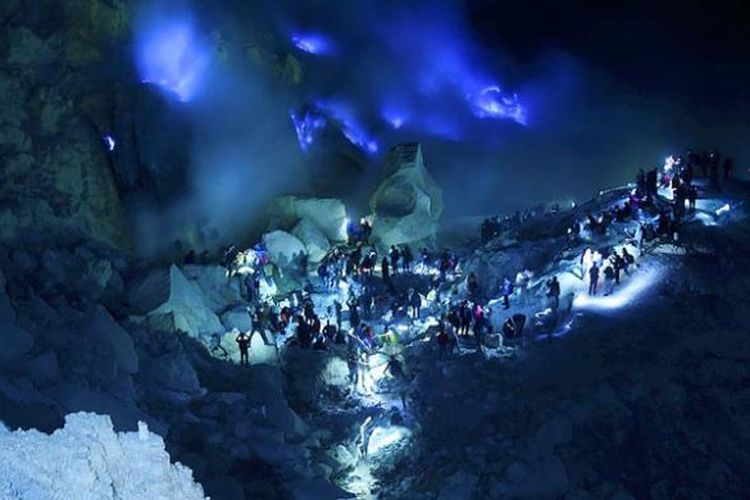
[(308, 125), (172, 56), (395, 117), (350, 125), (492, 102), (312, 43)]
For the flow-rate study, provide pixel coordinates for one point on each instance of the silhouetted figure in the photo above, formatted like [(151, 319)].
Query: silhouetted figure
[(243, 341), (553, 292), (593, 279), (728, 166)]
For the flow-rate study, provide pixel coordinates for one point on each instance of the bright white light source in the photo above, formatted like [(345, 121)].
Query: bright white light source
[(383, 437), (109, 141), (622, 296), (723, 209)]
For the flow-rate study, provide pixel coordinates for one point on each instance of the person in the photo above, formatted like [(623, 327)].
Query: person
[(692, 197), (330, 330), (593, 278), (386, 272), (216, 346), (424, 256), (354, 318), (383, 419), (509, 328), (652, 178), (303, 332), (585, 262), (352, 361), (395, 369), (367, 265), (444, 339), (553, 291), (465, 317), (728, 166), (472, 286), (367, 301), (444, 265), (478, 324), (338, 308), (639, 235), (395, 255), (414, 301), (507, 290), (243, 341), (407, 258), (522, 282), (618, 264), (609, 279), (627, 260)]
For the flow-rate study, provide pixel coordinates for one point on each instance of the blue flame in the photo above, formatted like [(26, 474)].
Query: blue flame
[(394, 116), (312, 43), (491, 102), (171, 55), (308, 125), (350, 125)]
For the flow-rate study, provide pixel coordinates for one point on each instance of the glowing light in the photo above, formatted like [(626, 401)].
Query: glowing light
[(669, 162), (344, 231), (384, 437), (109, 141), (308, 126), (172, 56), (633, 288), (312, 43), (491, 102), (350, 126), (394, 117), (723, 209)]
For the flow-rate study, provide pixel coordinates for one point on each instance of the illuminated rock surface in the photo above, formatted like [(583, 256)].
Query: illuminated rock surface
[(408, 203), (87, 459)]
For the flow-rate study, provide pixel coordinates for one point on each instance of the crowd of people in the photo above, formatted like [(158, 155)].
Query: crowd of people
[(379, 296)]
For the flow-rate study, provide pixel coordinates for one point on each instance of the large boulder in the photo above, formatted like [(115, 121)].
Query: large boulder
[(283, 248), (408, 203), (214, 285), (110, 338), (327, 214), (173, 303), (316, 243)]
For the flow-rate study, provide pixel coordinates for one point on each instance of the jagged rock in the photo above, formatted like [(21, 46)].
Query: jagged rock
[(172, 303), (213, 284), (316, 243), (172, 372), (101, 330), (14, 341), (73, 397), (283, 247), (326, 214), (87, 459), (236, 318), (408, 203)]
